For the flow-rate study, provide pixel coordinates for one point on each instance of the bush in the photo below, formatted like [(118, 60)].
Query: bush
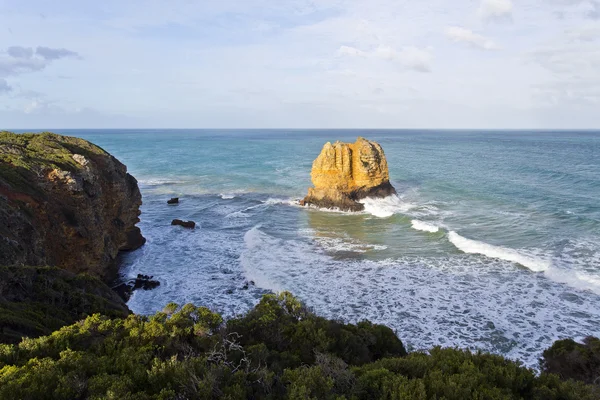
[(35, 301), (572, 360), (278, 350)]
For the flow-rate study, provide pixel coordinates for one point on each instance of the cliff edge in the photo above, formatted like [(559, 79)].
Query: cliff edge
[(65, 202), (345, 173)]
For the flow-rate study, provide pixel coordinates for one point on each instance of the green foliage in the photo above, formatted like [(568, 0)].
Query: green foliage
[(572, 360), (293, 335), (279, 350), (35, 301)]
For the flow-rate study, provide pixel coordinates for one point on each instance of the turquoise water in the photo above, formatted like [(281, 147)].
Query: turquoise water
[(492, 243)]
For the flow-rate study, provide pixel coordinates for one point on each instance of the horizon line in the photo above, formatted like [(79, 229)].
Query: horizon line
[(314, 129)]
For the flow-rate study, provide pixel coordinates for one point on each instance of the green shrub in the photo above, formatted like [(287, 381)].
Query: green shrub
[(572, 360), (35, 301), (278, 350)]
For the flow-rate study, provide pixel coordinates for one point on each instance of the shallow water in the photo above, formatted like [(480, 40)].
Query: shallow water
[(493, 241)]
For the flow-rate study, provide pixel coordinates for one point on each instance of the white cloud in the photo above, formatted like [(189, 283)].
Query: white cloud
[(415, 58), (459, 34), (350, 51), (495, 9), (408, 57)]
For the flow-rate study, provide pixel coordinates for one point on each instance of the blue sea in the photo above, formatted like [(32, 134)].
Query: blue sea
[(492, 243)]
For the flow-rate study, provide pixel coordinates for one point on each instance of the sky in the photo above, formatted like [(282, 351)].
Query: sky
[(475, 64)]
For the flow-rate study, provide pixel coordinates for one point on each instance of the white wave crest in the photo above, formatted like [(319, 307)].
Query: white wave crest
[(290, 202), (259, 245), (160, 182), (334, 244), (577, 279), (475, 247), (386, 207), (424, 226)]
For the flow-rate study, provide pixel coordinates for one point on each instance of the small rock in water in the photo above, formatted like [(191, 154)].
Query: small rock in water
[(174, 200), (144, 282), (185, 224)]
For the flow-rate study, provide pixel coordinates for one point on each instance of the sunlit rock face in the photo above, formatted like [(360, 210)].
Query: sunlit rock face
[(65, 202), (345, 173)]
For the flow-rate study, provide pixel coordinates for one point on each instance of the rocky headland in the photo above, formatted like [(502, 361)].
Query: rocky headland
[(65, 202), (345, 173), (67, 208)]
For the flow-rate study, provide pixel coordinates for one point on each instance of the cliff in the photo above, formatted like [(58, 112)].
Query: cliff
[(65, 202), (345, 173)]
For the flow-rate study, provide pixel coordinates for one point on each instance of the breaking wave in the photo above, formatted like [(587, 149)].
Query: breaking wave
[(470, 246), (424, 226)]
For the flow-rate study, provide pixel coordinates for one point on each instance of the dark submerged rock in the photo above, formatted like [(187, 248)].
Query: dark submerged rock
[(185, 224), (144, 282), (174, 200)]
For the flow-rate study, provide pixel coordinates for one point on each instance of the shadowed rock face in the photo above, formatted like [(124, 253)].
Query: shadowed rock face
[(65, 202), (347, 172)]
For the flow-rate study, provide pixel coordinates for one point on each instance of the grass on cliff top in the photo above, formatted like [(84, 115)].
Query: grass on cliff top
[(44, 149), (278, 350), (25, 156)]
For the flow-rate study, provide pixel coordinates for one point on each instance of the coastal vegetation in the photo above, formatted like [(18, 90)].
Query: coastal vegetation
[(36, 301), (278, 350)]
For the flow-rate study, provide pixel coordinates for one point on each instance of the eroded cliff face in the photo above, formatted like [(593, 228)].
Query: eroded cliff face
[(345, 173), (65, 202)]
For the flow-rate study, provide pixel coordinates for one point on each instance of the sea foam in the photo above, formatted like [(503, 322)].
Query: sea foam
[(386, 207), (424, 226), (449, 301), (475, 247)]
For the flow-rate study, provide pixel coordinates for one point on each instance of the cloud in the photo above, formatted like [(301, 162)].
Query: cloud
[(495, 9), (594, 13), (415, 58), (350, 51), (51, 54), (4, 86), (408, 57), (583, 33), (21, 60), (17, 66), (573, 60), (458, 34), (20, 52)]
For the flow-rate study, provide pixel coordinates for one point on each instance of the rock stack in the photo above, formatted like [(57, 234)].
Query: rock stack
[(345, 173)]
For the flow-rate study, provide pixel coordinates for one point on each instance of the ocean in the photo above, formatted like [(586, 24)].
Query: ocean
[(492, 243)]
